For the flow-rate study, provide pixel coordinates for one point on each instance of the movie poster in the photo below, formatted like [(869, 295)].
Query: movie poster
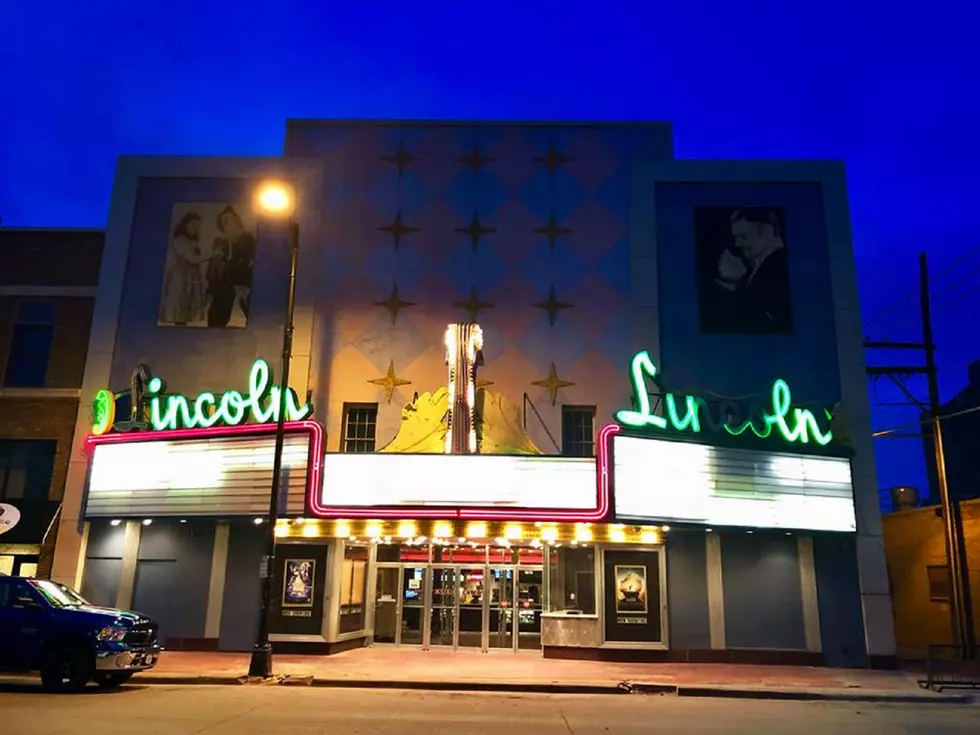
[(631, 589), (207, 279), (297, 588), (743, 278)]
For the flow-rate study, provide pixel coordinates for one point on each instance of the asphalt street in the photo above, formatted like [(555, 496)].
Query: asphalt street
[(269, 710)]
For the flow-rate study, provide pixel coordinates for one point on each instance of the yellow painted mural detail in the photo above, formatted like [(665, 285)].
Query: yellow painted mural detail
[(500, 429)]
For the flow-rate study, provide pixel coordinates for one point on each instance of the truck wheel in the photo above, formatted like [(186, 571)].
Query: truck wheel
[(112, 679), (67, 668)]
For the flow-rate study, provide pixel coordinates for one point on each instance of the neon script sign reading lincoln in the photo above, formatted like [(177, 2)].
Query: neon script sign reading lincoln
[(261, 404), (794, 425)]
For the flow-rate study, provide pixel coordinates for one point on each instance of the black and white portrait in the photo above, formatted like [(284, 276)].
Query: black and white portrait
[(207, 280), (742, 270)]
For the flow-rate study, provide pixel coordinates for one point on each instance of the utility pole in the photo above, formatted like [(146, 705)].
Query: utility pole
[(961, 612)]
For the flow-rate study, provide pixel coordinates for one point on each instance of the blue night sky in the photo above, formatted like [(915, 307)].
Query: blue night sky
[(893, 95)]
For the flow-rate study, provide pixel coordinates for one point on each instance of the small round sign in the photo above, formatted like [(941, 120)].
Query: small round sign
[(9, 517)]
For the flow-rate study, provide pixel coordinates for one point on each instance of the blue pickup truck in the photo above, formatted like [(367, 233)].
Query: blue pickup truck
[(48, 627)]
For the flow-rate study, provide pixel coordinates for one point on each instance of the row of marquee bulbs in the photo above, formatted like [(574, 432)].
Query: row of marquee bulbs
[(443, 532), (583, 531)]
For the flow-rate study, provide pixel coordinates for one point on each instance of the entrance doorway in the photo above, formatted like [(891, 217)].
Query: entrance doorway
[(459, 606)]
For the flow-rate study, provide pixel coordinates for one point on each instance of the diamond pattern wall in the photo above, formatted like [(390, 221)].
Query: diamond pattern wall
[(526, 224)]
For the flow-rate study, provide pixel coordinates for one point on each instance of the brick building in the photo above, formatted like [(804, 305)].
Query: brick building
[(48, 280), (920, 583)]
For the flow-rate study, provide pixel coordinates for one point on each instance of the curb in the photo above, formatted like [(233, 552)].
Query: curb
[(803, 695), (715, 692)]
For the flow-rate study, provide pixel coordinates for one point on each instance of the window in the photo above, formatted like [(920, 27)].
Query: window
[(578, 431), (360, 426), (26, 466), (572, 579), (30, 345), (939, 583), (353, 589)]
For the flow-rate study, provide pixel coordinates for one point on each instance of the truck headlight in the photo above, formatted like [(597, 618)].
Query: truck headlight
[(112, 633)]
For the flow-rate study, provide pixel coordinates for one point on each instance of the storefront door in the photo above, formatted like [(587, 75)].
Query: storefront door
[(444, 605), (501, 617), (399, 604), (458, 606), (472, 607)]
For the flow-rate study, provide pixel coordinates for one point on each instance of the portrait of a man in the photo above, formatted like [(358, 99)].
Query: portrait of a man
[(742, 270)]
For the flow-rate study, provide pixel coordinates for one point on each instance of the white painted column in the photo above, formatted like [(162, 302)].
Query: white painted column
[(716, 590), (808, 590), (80, 562), (216, 587), (331, 588), (370, 594), (127, 575)]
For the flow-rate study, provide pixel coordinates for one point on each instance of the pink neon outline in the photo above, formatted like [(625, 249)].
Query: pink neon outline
[(314, 461), (490, 514)]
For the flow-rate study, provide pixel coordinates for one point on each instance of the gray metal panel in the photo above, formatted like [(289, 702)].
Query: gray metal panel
[(763, 600), (195, 477)]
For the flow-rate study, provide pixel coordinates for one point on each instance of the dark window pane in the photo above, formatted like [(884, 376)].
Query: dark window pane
[(939, 583), (578, 431), (360, 427), (36, 312), (26, 466), (30, 348)]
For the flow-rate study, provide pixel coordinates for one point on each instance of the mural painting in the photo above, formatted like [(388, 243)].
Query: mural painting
[(207, 280)]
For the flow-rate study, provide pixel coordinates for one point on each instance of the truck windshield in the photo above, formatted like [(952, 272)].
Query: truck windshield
[(59, 595)]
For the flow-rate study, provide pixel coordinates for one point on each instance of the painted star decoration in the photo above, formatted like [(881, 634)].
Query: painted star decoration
[(552, 306), (398, 229), (473, 306), (476, 159), (552, 231), (553, 159), (393, 304), (552, 384), (390, 381), (401, 158), (475, 230)]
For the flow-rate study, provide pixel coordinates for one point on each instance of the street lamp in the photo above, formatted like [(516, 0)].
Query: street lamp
[(276, 200)]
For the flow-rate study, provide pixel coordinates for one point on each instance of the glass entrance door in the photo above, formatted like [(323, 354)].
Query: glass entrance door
[(501, 614), (414, 587), (472, 605), (443, 611), (386, 605), (530, 589)]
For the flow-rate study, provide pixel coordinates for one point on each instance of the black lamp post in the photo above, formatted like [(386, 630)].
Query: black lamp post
[(276, 199)]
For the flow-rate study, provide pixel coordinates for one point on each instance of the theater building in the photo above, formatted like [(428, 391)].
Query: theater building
[(551, 389), (48, 280)]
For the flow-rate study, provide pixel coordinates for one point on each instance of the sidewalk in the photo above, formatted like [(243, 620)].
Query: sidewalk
[(529, 672)]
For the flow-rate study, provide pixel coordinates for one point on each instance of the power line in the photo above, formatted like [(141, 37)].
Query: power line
[(923, 422), (948, 298), (901, 299)]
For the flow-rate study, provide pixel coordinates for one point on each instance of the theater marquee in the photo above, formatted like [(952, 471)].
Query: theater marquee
[(659, 480)]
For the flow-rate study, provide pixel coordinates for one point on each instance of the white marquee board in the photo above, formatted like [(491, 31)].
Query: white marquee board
[(659, 480), (457, 481)]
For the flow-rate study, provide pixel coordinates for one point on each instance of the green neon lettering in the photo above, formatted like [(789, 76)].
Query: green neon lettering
[(795, 425), (232, 408), (262, 404), (205, 410), (641, 367), (691, 420), (258, 388)]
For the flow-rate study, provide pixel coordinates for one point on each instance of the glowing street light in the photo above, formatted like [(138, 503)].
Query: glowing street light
[(275, 199)]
